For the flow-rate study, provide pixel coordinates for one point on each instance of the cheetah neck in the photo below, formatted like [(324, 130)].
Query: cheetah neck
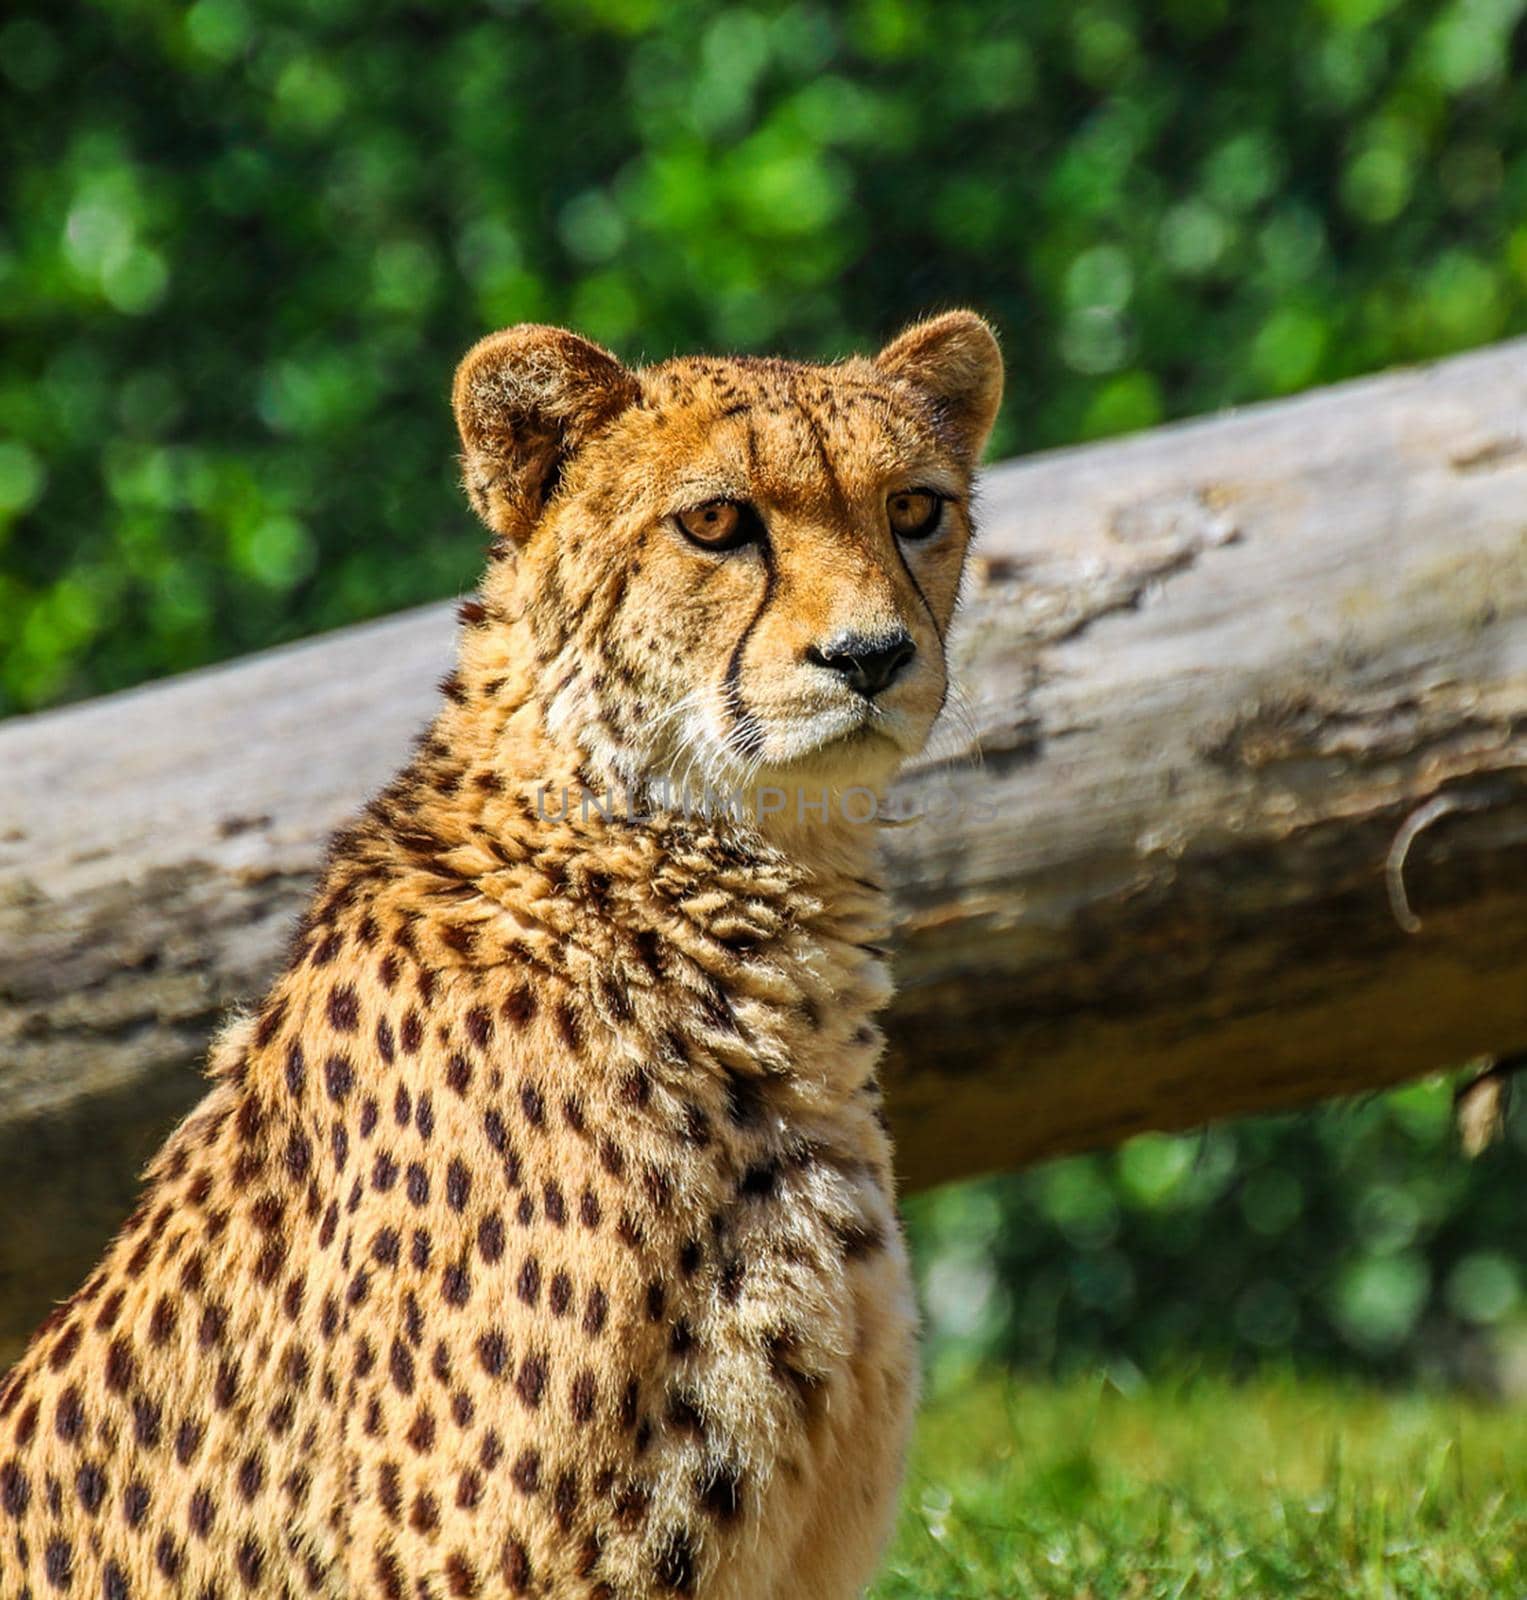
[(652, 923)]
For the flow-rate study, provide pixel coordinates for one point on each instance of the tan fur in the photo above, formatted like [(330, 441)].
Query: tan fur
[(537, 1234)]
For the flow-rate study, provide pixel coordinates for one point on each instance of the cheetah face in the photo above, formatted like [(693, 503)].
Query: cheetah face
[(738, 572)]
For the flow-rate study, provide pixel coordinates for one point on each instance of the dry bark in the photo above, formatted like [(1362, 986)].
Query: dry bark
[(1212, 672)]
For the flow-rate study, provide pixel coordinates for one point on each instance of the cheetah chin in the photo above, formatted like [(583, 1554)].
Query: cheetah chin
[(537, 1234)]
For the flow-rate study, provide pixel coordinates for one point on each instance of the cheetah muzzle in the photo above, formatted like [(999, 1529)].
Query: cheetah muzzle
[(537, 1236)]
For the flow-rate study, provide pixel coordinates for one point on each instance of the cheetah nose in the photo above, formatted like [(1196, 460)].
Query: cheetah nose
[(866, 664)]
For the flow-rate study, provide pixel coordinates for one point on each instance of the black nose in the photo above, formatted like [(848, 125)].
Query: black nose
[(867, 664)]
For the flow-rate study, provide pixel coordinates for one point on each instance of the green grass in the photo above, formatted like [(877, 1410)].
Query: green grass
[(1207, 1488)]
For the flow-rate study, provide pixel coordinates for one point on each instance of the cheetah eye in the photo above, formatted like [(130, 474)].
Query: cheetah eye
[(720, 524), (915, 513)]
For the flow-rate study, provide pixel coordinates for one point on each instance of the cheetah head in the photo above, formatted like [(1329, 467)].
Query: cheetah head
[(734, 571)]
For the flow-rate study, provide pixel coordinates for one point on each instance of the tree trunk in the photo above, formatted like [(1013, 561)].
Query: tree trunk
[(1247, 828)]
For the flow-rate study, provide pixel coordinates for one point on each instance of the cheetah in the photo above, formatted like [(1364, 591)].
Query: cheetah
[(537, 1234)]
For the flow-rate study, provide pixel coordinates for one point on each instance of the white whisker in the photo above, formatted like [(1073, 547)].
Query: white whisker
[(956, 736)]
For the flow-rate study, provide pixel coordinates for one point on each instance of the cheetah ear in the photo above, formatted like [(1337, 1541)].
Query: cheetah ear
[(953, 360), (525, 400)]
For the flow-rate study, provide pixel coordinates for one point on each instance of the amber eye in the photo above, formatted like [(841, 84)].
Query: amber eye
[(915, 513), (720, 524)]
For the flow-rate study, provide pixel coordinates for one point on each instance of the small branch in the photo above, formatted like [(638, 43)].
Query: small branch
[(1411, 829)]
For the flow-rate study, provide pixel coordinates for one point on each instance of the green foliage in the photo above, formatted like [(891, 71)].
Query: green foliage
[(244, 241), (1357, 1237), (1211, 1490)]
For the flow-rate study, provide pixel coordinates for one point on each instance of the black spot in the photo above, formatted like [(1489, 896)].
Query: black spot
[(120, 1365), (251, 1560), (422, 1434), (58, 1563), (684, 1414), (168, 1557), (530, 1384), (744, 1102), (517, 1570), (15, 1490), (490, 1238), (187, 1442), (296, 1069), (565, 1500), (526, 1471), (676, 1566), (135, 1503), (493, 1353), (299, 1154), (859, 1239), (636, 1088), (69, 1417), (344, 1008), (759, 1181), (270, 1023), (719, 1492), (146, 1422), (401, 1366), (339, 1077), (519, 1006), (389, 1572), (225, 1386), (390, 1489), (595, 1312), (682, 1340), (583, 1396), (632, 1505), (201, 1513)]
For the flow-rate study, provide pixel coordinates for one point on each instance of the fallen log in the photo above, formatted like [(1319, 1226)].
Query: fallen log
[(1235, 817)]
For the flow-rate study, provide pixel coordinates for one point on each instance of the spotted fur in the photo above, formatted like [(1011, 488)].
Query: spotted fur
[(536, 1236)]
